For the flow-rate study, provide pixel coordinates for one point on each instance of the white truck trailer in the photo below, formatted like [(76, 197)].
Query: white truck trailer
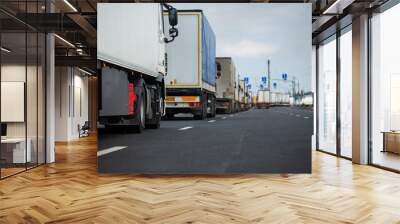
[(132, 63), (306, 100), (190, 84), (226, 85), (279, 99), (263, 99)]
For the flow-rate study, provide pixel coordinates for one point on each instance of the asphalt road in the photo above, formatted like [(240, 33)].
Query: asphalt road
[(275, 140)]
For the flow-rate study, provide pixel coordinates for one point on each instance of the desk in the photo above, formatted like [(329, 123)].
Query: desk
[(391, 141), (15, 148)]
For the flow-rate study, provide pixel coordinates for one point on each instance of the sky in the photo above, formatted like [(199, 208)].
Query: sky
[(253, 33)]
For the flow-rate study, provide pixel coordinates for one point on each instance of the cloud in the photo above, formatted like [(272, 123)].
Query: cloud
[(246, 49)]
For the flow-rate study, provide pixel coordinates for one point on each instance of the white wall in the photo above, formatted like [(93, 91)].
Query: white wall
[(33, 126), (71, 102), (61, 103), (16, 72), (80, 111)]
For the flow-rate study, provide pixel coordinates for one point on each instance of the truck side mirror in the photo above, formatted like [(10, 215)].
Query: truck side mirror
[(173, 21), (173, 16), (218, 67), (173, 32)]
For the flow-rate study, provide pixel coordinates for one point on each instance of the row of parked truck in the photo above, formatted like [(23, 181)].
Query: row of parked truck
[(266, 98), (150, 67), (233, 95)]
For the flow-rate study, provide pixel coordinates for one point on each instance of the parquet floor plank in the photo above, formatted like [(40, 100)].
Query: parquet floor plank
[(71, 191)]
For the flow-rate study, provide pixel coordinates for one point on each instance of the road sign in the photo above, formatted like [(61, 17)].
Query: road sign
[(284, 76), (246, 80), (264, 79), (275, 85)]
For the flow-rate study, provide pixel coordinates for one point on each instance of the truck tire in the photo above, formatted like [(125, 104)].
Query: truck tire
[(203, 113), (169, 116), (210, 105), (230, 108), (213, 107), (154, 123), (201, 116), (141, 110)]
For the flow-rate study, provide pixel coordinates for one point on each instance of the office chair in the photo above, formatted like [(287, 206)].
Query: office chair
[(84, 130)]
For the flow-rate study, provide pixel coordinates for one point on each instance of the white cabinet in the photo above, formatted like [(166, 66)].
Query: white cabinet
[(19, 154)]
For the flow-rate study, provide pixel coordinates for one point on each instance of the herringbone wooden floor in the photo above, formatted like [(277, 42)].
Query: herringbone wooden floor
[(71, 191)]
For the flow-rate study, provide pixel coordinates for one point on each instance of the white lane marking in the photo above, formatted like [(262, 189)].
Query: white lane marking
[(231, 115), (223, 117), (306, 117), (110, 150), (184, 128), (211, 121), (297, 115)]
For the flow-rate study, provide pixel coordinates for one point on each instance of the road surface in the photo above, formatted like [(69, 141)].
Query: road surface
[(275, 140)]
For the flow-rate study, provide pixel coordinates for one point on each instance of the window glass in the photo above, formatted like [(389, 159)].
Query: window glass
[(346, 94), (31, 96), (22, 90), (327, 96), (385, 87), (14, 144)]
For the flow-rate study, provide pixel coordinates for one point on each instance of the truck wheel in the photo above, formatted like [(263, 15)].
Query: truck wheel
[(210, 105), (141, 111), (154, 123), (230, 108), (214, 107), (203, 113), (169, 116), (201, 116)]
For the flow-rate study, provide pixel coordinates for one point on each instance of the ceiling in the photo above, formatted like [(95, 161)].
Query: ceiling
[(75, 20)]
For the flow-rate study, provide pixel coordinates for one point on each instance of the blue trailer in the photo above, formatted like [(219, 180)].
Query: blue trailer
[(192, 70)]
